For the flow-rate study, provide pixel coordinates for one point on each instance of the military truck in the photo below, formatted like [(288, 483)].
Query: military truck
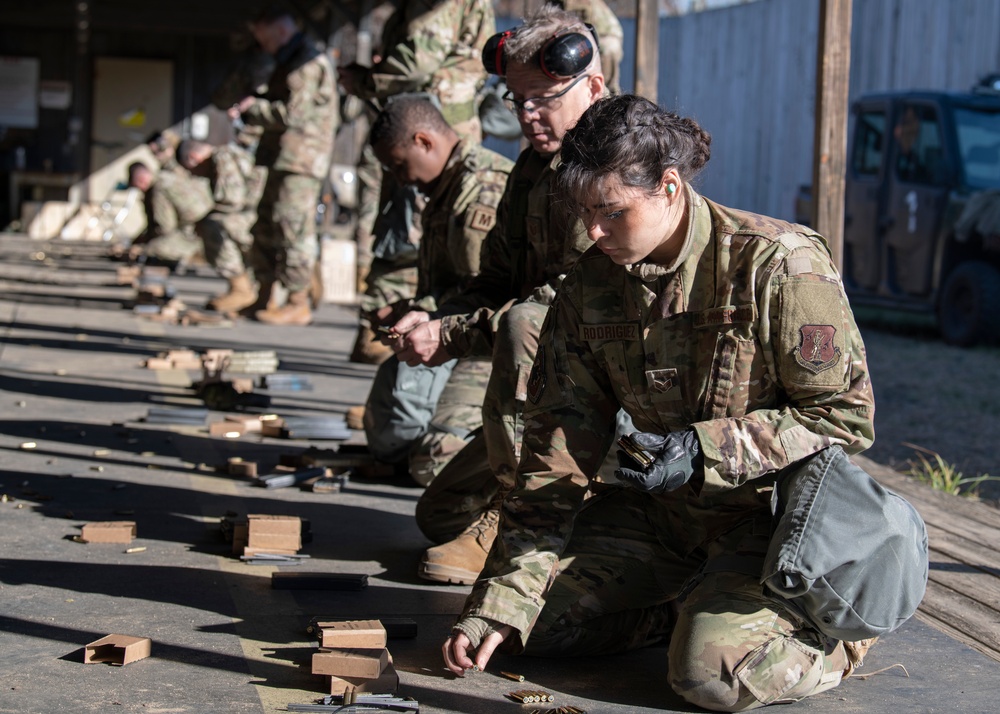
[(922, 213)]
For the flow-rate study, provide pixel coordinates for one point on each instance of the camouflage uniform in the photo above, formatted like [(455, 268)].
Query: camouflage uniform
[(429, 424), (431, 46), (236, 187), (749, 340), (175, 203), (610, 35), (299, 114), (435, 46), (534, 243)]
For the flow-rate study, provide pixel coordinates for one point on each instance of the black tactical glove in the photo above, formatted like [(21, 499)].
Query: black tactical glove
[(674, 456)]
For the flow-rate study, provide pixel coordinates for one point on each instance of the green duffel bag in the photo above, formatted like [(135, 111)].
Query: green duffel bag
[(846, 553)]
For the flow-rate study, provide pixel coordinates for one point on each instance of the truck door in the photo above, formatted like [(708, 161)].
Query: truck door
[(918, 189), (863, 194)]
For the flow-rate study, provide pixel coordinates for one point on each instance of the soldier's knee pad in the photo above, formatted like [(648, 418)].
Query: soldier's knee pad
[(713, 675)]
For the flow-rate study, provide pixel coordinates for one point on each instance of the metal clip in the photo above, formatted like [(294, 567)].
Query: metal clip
[(632, 448)]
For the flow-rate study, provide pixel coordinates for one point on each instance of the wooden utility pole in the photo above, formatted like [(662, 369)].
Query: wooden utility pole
[(833, 71), (647, 38)]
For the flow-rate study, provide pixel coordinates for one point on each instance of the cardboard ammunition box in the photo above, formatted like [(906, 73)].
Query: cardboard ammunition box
[(352, 634), (159, 363), (109, 532), (117, 649), (183, 359), (338, 261), (265, 533), (367, 664), (272, 427), (227, 429), (251, 423), (386, 683), (246, 469)]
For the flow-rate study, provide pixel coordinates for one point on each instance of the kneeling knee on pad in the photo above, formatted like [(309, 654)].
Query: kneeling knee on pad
[(781, 670)]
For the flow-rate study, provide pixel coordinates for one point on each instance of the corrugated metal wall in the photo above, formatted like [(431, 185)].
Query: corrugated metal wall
[(747, 74)]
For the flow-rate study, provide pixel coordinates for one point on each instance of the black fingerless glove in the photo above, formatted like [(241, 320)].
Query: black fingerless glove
[(675, 457)]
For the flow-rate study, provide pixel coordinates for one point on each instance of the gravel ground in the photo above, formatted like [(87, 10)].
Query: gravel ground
[(945, 399)]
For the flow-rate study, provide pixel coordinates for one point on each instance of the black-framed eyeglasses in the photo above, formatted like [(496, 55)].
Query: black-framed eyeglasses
[(516, 106)]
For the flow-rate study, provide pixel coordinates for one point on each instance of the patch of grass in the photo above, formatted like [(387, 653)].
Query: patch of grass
[(942, 476)]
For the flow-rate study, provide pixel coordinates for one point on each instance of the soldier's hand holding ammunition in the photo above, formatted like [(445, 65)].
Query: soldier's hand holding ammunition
[(382, 321), (456, 650), (421, 340), (658, 463)]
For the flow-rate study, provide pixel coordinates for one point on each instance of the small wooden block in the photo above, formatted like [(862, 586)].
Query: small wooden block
[(368, 664), (352, 634), (386, 683), (109, 532), (267, 533), (245, 469)]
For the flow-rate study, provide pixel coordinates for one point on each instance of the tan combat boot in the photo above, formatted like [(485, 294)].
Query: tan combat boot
[(367, 349), (240, 295), (264, 301), (355, 417), (294, 312), (460, 561), (316, 287), (856, 652)]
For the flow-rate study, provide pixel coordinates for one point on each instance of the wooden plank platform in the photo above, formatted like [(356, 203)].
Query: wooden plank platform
[(963, 590)]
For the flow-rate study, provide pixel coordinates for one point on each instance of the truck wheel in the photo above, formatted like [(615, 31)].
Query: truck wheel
[(967, 313)]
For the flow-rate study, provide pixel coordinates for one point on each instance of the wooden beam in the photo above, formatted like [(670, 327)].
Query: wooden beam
[(833, 70), (647, 39)]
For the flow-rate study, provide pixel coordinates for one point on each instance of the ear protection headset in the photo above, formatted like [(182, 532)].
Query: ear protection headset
[(561, 57)]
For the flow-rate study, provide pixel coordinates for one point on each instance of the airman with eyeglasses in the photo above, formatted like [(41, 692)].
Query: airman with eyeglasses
[(539, 104)]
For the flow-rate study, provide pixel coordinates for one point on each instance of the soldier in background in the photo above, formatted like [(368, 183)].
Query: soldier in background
[(420, 413), (299, 115), (432, 47), (429, 47), (174, 201), (225, 232)]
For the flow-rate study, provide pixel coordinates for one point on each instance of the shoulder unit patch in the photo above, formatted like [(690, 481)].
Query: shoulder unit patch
[(482, 218), (816, 351)]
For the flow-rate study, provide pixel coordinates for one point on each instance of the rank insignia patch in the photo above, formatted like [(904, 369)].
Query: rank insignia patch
[(816, 351), (661, 381)]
